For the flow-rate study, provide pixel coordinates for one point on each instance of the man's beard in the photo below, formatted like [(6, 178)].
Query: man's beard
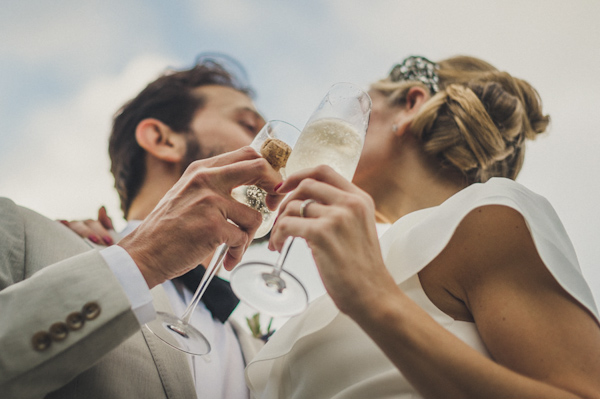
[(195, 152)]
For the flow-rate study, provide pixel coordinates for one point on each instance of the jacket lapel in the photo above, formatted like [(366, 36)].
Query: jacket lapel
[(172, 365)]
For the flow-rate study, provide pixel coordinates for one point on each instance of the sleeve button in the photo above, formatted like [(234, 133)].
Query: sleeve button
[(59, 331), (41, 341), (75, 321), (90, 310)]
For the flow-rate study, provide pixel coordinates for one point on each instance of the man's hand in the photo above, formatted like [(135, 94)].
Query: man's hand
[(193, 218)]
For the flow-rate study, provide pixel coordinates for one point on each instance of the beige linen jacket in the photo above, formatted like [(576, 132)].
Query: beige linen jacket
[(66, 327)]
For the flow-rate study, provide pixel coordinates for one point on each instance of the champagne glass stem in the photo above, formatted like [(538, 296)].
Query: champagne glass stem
[(211, 270), (287, 245)]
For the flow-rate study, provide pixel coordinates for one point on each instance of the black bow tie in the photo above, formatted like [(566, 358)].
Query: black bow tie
[(218, 297)]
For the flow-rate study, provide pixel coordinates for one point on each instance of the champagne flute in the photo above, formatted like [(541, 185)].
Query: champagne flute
[(274, 142), (334, 135)]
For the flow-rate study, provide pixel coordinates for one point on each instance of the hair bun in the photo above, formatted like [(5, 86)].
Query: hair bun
[(478, 122), (489, 120), (480, 128)]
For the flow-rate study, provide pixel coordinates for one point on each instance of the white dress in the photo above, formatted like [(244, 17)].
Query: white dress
[(323, 354)]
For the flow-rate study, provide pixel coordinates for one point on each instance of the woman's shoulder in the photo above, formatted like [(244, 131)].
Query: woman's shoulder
[(499, 191), (539, 214), (416, 241), (499, 219)]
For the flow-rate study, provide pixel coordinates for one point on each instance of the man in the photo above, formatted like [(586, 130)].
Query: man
[(180, 117)]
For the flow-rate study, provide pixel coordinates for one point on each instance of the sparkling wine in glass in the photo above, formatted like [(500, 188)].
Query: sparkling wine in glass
[(334, 135), (274, 142)]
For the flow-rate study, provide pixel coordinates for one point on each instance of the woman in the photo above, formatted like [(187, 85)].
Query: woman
[(474, 291)]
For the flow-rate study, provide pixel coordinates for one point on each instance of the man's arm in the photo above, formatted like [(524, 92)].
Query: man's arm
[(83, 294), (59, 321)]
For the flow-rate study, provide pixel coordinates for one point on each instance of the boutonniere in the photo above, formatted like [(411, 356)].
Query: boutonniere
[(255, 328)]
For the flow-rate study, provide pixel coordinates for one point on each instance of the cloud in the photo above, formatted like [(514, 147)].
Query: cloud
[(63, 170), (37, 32), (87, 33), (235, 16)]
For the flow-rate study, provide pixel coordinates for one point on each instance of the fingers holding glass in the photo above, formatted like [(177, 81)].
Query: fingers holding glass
[(250, 175), (333, 136)]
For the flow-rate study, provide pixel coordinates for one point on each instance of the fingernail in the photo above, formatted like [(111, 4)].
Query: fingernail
[(277, 187), (93, 239), (107, 240), (64, 222)]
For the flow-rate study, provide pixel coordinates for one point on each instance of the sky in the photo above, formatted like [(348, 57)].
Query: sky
[(68, 65)]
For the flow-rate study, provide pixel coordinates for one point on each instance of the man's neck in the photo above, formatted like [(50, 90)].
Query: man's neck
[(149, 196), (160, 176)]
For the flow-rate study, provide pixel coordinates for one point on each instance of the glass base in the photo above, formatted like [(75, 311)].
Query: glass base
[(178, 334), (277, 296)]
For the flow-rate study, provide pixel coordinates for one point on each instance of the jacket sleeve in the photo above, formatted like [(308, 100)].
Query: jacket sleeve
[(56, 321)]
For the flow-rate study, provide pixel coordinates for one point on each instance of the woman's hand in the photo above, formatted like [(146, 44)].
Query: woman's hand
[(97, 231), (340, 230)]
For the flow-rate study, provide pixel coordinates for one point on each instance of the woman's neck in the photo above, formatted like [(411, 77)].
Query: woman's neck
[(394, 199), (413, 186)]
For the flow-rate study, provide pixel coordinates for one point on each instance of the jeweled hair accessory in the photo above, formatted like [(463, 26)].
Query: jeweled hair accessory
[(419, 69)]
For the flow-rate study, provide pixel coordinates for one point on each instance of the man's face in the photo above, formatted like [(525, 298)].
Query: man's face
[(227, 121)]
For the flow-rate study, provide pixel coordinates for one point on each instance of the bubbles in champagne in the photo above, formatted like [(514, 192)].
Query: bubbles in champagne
[(332, 142)]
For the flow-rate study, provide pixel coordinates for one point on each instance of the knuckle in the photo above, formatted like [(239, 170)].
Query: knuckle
[(356, 204), (262, 166), (283, 226), (211, 200), (200, 178), (193, 167), (248, 152), (306, 184), (323, 170)]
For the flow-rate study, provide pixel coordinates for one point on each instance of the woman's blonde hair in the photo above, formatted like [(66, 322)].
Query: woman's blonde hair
[(478, 121)]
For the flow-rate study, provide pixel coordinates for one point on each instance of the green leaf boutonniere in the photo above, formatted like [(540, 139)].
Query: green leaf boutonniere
[(255, 328)]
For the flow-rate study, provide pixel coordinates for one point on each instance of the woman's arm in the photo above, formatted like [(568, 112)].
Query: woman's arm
[(544, 344)]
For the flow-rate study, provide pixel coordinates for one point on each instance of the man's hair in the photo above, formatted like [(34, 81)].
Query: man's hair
[(170, 99)]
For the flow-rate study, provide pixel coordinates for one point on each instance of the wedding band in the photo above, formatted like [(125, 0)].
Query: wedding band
[(305, 204)]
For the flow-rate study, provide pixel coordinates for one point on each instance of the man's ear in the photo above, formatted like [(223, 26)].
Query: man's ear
[(160, 141)]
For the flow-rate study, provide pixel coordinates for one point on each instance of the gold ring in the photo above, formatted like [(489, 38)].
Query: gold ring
[(305, 204)]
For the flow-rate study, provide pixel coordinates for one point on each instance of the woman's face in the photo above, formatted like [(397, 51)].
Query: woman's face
[(378, 140)]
